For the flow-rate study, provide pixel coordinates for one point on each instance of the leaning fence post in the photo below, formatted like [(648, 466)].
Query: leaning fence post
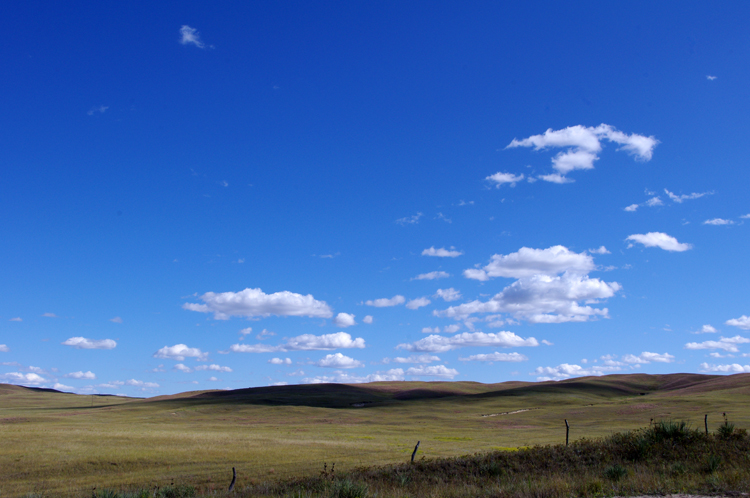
[(414, 452), (234, 479), (705, 423), (567, 431)]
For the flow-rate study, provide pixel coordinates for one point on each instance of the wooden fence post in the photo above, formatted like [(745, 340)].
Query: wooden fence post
[(567, 431), (414, 452), (705, 423), (234, 479)]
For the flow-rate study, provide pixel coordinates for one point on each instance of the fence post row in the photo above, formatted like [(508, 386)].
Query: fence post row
[(414, 452), (567, 431)]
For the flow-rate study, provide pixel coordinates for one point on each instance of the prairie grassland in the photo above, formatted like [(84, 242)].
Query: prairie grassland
[(60, 445)]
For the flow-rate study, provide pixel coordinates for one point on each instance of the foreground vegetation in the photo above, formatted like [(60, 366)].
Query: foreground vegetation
[(667, 457), (56, 444)]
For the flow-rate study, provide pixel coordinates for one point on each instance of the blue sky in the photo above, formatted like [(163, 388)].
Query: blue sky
[(203, 196)]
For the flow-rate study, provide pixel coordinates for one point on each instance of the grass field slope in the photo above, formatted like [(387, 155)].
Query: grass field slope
[(59, 444)]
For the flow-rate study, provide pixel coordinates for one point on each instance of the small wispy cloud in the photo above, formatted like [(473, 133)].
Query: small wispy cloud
[(718, 221), (116, 319), (409, 220), (100, 109), (190, 36), (711, 78)]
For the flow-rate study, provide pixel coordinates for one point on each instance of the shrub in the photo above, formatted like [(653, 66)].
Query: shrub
[(615, 472), (712, 463), (348, 489), (179, 491)]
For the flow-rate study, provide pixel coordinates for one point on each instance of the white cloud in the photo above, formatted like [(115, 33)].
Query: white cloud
[(660, 240), (4, 348), (338, 360), (493, 357), (566, 371), (442, 252), (429, 330), (305, 342), (116, 319), (81, 375), (543, 299), (385, 302), (451, 329), (368, 319), (556, 178), (182, 368), (213, 368), (418, 303), (344, 320), (264, 334), (726, 343), (140, 383), (680, 198), (254, 303), (527, 262), (279, 361), (500, 178), (654, 201), (440, 344), (409, 220), (440, 371), (601, 250), (742, 322), (190, 36), (632, 207), (100, 109), (83, 343), (246, 331), (449, 294), (745, 216), (49, 315), (16, 319), (433, 275), (62, 387), (347, 378), (718, 221), (179, 352), (23, 378), (213, 379), (647, 357), (415, 358), (710, 78), (583, 145), (707, 329), (733, 368)]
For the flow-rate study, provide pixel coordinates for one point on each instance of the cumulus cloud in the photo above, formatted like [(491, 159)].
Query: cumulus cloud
[(583, 145), (415, 358), (647, 357), (742, 322), (527, 262), (451, 329), (543, 299), (718, 221), (566, 371), (338, 360), (632, 207), (501, 178), (116, 319), (442, 252), (305, 342), (385, 302), (368, 319), (279, 361), (81, 375), (31, 379), (142, 384), (16, 319), (493, 357), (707, 329), (726, 343), (433, 275), (49, 315), (179, 352), (440, 344), (660, 240), (600, 250), (418, 303), (255, 303), (190, 36), (4, 348), (430, 330), (84, 343), (182, 368), (439, 371), (344, 320), (347, 378), (449, 294), (654, 201), (733, 368)]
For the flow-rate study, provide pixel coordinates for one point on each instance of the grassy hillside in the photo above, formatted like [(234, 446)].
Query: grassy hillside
[(62, 444)]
